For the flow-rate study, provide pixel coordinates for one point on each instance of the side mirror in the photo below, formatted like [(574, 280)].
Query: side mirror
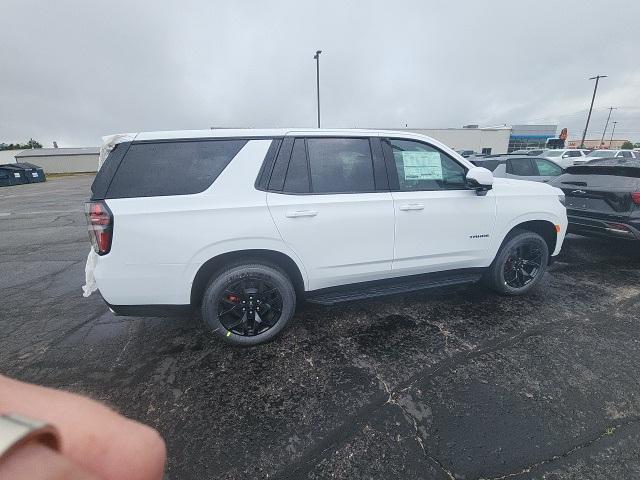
[(480, 179)]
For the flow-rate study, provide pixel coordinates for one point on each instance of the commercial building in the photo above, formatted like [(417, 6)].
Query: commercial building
[(595, 143), (61, 160), (472, 137), (530, 136)]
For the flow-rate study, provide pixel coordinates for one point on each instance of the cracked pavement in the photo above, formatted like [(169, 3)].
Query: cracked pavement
[(440, 385)]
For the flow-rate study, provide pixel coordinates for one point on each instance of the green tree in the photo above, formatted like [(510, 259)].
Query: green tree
[(636, 145), (21, 146), (33, 144), (627, 145)]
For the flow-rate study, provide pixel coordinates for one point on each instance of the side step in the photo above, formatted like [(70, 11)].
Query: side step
[(361, 291)]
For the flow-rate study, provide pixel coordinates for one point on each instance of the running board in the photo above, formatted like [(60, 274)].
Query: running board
[(349, 293)]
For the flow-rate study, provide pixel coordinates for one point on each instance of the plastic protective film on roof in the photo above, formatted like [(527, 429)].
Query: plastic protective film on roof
[(108, 143)]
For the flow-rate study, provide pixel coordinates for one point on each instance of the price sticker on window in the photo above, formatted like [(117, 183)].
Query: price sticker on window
[(422, 165)]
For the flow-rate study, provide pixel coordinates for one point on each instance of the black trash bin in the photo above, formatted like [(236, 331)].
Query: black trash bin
[(12, 175), (34, 173)]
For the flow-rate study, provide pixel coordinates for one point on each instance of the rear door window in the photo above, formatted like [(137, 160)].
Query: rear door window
[(340, 165), (489, 164), (547, 168), (522, 167), (297, 178), (171, 168)]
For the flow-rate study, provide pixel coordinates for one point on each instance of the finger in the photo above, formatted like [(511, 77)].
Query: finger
[(93, 436), (35, 461)]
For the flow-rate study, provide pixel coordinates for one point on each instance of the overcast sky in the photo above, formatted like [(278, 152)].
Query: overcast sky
[(73, 71)]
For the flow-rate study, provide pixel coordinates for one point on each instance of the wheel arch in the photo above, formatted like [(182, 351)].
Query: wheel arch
[(545, 228), (207, 269)]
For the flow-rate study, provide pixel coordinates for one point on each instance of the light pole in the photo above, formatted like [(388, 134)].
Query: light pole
[(595, 89), (612, 130), (606, 125), (317, 58)]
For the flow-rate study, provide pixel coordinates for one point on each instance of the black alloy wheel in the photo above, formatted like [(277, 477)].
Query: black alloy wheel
[(248, 303), (519, 265), (523, 264), (249, 306)]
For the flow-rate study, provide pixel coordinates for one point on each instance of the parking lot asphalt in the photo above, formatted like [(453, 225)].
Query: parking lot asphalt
[(424, 386)]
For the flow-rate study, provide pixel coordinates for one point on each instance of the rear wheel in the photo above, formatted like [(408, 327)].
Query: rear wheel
[(519, 265), (248, 304)]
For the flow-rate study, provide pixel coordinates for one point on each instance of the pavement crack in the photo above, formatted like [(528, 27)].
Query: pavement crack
[(419, 440), (587, 443), (353, 424)]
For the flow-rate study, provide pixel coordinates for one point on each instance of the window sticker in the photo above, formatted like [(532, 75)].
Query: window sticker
[(422, 165)]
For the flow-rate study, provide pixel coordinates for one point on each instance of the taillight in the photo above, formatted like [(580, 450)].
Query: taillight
[(636, 198), (100, 225)]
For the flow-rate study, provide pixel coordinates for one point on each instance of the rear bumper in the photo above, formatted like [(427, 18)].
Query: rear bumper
[(604, 227), (151, 310)]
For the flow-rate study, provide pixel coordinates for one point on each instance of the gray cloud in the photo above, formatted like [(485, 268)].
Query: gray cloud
[(74, 71)]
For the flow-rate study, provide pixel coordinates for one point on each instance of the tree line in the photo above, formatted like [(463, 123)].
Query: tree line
[(21, 146)]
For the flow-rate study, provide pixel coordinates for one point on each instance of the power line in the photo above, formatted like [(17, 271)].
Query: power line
[(595, 89), (606, 124)]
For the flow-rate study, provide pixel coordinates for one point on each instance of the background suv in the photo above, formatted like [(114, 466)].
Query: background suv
[(245, 223), (518, 167), (598, 154), (564, 157)]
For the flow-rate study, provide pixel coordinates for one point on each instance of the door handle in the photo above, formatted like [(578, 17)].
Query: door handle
[(301, 213), (412, 206)]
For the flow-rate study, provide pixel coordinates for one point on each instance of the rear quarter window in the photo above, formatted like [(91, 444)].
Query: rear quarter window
[(171, 168)]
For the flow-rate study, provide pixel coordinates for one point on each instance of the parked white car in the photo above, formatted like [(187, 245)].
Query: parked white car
[(243, 224), (596, 154), (564, 157)]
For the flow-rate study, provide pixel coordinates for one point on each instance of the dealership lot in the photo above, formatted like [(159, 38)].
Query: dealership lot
[(461, 384)]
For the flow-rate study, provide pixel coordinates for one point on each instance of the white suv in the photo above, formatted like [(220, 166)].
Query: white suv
[(245, 223), (598, 154), (564, 157)]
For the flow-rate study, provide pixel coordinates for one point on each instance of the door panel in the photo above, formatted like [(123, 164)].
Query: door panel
[(440, 224), (452, 230), (340, 238)]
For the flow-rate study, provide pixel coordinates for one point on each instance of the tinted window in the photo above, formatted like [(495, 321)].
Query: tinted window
[(546, 168), (108, 169), (625, 155), (172, 168), (423, 167), (340, 165), (276, 182), (297, 180), (574, 153), (522, 167), (489, 164)]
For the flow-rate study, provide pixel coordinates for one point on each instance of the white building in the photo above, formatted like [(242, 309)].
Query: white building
[(478, 139), (61, 160)]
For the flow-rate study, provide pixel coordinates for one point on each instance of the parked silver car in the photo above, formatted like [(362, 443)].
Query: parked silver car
[(520, 167)]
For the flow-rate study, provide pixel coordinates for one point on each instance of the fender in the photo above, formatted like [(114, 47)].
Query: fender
[(502, 230), (238, 245)]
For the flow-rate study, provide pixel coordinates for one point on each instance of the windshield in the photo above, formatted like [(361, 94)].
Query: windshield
[(553, 153), (602, 153)]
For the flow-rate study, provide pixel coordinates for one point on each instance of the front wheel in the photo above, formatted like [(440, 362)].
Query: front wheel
[(248, 304), (519, 265)]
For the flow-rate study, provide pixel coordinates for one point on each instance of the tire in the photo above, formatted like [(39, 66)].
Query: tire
[(268, 295), (511, 275)]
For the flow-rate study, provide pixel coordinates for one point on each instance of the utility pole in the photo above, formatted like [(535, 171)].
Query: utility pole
[(317, 58), (606, 125), (595, 89), (612, 130)]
